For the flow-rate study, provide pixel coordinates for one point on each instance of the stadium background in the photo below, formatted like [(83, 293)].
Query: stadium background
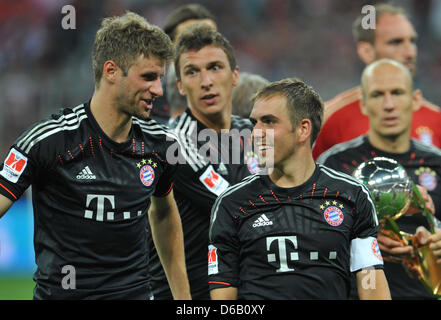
[(44, 67)]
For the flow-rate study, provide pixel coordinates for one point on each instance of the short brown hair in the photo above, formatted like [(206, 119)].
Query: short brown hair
[(198, 36), (303, 102), (191, 11), (361, 34), (123, 39)]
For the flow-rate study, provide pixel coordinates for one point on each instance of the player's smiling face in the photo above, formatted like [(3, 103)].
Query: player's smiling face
[(139, 88), (273, 134), (207, 81)]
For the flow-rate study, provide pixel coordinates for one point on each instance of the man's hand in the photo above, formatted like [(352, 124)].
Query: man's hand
[(434, 240), (389, 246), (427, 201)]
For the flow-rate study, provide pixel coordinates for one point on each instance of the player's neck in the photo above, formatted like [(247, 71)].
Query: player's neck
[(392, 144), (294, 171), (114, 124), (217, 122)]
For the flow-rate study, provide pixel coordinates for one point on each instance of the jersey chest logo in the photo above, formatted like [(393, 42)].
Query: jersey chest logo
[(427, 178), (252, 163), (332, 213), (147, 173)]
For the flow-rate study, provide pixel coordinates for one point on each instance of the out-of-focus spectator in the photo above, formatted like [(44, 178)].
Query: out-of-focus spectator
[(249, 84)]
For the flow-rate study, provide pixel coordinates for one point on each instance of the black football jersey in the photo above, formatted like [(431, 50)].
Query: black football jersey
[(212, 162), (423, 165), (303, 242), (90, 198)]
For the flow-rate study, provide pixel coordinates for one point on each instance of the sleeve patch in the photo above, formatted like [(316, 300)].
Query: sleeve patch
[(213, 267), (14, 165)]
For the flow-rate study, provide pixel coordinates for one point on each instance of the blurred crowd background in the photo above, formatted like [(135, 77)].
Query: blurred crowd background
[(44, 67)]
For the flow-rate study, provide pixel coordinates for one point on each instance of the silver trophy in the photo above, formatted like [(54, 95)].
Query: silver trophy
[(393, 192)]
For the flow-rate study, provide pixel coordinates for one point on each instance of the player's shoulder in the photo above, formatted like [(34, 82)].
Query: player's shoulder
[(342, 100), (237, 191), (429, 106), (155, 130), (67, 119), (426, 150), (341, 149), (343, 180)]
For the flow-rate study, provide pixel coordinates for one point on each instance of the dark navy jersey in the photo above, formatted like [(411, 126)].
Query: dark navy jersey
[(212, 163), (303, 242), (90, 198), (423, 165)]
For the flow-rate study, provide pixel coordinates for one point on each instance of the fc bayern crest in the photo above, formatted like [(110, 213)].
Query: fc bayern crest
[(253, 165), (376, 249), (147, 175), (333, 216)]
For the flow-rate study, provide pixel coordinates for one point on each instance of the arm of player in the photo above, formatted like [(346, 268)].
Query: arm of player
[(5, 204), (167, 235), (372, 285), (229, 293)]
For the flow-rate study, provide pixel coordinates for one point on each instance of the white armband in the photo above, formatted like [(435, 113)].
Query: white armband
[(365, 252)]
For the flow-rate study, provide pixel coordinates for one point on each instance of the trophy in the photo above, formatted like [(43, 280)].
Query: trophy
[(393, 193)]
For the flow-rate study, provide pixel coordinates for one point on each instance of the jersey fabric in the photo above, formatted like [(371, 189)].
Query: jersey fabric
[(344, 121), (90, 197), (423, 165), (198, 183), (303, 242)]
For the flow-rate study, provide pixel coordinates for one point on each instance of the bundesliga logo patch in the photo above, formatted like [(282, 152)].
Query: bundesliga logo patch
[(212, 260), (14, 165)]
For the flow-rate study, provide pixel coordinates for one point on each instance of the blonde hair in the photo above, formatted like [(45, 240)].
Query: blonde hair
[(123, 39)]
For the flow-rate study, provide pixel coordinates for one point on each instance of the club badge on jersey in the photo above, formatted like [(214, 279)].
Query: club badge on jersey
[(427, 178), (252, 163), (14, 165), (147, 172), (332, 213)]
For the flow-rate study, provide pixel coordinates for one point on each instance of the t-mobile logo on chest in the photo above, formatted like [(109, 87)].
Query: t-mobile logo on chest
[(283, 253), (103, 202)]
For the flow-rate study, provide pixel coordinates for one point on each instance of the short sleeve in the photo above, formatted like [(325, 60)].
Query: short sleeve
[(16, 173), (365, 251), (223, 250)]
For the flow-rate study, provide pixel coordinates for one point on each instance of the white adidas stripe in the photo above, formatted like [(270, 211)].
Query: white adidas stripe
[(67, 127), (340, 148), (184, 129), (43, 127)]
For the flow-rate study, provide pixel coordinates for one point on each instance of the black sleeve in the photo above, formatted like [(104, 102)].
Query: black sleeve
[(223, 250)]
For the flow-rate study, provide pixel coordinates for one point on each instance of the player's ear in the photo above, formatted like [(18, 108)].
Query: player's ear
[(363, 108), (181, 90), (417, 99), (366, 52), (304, 129), (236, 76), (110, 71)]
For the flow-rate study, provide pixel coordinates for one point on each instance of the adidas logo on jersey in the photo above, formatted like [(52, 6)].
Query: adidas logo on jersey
[(86, 174), (262, 221)]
